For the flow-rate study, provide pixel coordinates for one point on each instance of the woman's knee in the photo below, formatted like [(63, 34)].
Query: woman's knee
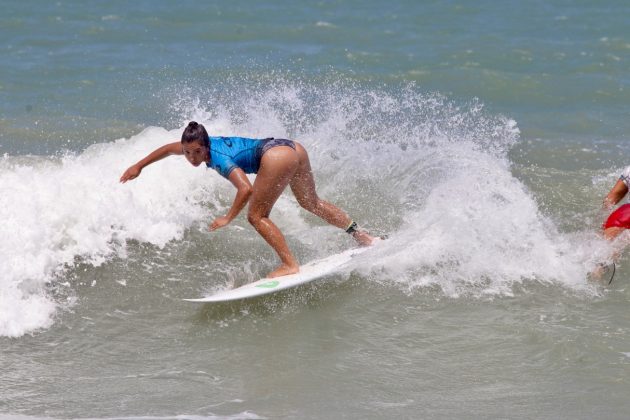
[(253, 217), (253, 220), (307, 201)]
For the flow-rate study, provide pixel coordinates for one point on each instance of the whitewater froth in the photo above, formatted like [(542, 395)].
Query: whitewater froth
[(61, 209)]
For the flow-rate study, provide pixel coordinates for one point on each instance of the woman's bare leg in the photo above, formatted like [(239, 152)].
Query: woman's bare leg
[(612, 232), (303, 187), (277, 166)]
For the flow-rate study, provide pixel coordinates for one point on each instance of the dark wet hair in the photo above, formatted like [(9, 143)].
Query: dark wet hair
[(195, 132)]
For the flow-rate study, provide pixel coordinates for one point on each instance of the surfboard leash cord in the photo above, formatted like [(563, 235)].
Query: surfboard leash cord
[(614, 269)]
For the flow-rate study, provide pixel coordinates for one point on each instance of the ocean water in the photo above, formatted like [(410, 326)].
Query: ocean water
[(480, 136)]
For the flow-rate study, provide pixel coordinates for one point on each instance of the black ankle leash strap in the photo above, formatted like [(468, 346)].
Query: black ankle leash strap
[(352, 227)]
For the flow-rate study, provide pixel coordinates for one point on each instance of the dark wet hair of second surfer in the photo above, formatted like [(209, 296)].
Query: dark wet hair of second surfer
[(195, 132)]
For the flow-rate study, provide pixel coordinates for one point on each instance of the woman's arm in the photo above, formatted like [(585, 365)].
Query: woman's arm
[(160, 153), (243, 192), (616, 194)]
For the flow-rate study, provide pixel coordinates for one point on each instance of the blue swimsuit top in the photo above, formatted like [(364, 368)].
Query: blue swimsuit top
[(228, 153)]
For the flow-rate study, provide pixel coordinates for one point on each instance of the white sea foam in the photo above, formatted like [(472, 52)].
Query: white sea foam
[(61, 209), (479, 231)]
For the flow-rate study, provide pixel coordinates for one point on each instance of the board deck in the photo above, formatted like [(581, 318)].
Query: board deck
[(308, 272)]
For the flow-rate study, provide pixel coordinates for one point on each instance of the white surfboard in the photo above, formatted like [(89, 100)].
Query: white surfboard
[(308, 272)]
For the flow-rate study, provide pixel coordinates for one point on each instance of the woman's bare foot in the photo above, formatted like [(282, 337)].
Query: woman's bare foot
[(284, 270)]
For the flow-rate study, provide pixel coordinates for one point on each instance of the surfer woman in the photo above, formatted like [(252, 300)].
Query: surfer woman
[(619, 220), (277, 163)]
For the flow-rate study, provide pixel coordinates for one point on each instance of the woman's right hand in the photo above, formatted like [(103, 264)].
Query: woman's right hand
[(131, 173)]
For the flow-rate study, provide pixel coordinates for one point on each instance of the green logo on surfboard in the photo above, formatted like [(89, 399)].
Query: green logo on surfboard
[(270, 284)]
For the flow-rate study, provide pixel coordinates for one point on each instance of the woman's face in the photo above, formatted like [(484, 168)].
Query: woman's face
[(195, 152)]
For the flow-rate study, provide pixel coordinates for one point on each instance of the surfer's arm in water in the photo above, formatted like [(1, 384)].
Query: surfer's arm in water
[(243, 191), (160, 153), (616, 194)]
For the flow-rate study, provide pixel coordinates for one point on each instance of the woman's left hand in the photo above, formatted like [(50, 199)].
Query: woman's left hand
[(219, 222)]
